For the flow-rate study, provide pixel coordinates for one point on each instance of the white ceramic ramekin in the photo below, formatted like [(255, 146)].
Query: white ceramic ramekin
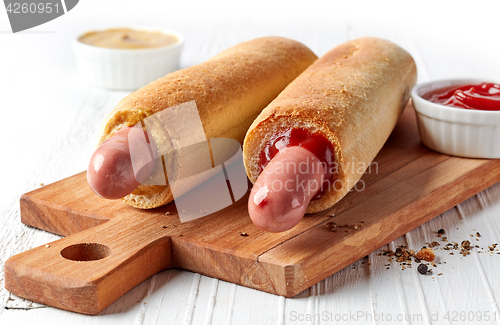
[(127, 69), (456, 131)]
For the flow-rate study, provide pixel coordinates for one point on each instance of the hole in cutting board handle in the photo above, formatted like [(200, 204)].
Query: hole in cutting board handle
[(86, 252)]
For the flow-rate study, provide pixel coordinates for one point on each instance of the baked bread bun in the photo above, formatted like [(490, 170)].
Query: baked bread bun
[(352, 96), (230, 90)]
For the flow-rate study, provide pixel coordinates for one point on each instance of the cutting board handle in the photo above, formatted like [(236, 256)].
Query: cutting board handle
[(89, 270)]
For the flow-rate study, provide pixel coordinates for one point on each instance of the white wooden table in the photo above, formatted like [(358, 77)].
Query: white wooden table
[(51, 120)]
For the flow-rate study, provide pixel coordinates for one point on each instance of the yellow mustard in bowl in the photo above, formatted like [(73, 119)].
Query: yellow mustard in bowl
[(125, 38)]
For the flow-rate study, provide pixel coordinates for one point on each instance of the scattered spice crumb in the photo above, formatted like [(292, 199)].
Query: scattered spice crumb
[(422, 269), (426, 254), (332, 215), (403, 255), (47, 245), (164, 227), (465, 244), (167, 213), (434, 244), (465, 248), (332, 226), (244, 234), (42, 184)]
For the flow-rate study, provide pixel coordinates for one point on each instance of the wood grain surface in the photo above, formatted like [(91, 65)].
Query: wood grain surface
[(406, 186)]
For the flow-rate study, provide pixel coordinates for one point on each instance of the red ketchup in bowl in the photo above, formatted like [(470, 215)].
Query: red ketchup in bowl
[(485, 96), (314, 142)]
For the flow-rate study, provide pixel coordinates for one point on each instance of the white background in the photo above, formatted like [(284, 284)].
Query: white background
[(51, 118)]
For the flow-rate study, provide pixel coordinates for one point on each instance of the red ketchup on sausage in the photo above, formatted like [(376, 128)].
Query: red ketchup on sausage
[(296, 167), (485, 96)]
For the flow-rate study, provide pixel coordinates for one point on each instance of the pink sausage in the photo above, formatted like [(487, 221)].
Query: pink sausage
[(280, 196), (110, 173)]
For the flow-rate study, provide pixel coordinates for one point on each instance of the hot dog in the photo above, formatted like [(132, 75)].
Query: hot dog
[(341, 109), (110, 173), (269, 208), (230, 90)]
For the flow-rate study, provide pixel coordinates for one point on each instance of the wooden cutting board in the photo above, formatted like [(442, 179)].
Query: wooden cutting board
[(111, 247)]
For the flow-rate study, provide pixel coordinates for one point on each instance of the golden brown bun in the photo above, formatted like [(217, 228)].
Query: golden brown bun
[(230, 90), (353, 96)]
